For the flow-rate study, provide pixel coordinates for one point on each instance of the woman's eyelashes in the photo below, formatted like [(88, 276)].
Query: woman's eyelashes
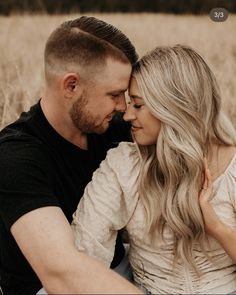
[(137, 106)]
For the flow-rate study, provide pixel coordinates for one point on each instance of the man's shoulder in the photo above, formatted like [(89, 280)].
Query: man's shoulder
[(22, 131), (19, 148), (19, 130), (17, 139)]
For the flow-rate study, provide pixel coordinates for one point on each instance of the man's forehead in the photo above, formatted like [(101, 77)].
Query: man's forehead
[(109, 71), (115, 83), (117, 69), (117, 90)]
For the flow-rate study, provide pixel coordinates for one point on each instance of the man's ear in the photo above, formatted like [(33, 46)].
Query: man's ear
[(71, 84)]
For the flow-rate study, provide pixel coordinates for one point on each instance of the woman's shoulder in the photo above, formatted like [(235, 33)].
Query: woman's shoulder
[(228, 156), (125, 159), (230, 170), (225, 188), (227, 178), (125, 151), (222, 159)]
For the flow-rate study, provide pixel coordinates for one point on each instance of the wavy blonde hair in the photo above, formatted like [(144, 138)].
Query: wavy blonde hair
[(181, 91)]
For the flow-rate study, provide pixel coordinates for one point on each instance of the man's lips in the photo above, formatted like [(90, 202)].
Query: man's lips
[(109, 118)]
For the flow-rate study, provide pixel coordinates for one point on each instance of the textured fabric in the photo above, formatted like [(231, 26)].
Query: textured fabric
[(111, 202)]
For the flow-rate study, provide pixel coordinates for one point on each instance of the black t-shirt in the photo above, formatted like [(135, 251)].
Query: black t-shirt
[(39, 168)]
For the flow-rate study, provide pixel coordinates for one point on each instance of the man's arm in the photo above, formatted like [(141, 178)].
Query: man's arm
[(46, 240)]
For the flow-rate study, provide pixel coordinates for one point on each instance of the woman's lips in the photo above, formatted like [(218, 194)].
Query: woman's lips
[(135, 128)]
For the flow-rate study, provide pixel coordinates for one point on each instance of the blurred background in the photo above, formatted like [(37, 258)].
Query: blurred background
[(7, 7), (25, 26)]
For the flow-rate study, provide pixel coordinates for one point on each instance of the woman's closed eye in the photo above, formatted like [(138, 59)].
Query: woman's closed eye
[(137, 106)]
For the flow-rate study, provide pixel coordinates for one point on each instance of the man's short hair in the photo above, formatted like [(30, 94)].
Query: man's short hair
[(86, 41)]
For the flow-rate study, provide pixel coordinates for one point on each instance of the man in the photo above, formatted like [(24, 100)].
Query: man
[(49, 154)]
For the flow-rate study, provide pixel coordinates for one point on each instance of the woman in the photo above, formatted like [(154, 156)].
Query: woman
[(151, 187)]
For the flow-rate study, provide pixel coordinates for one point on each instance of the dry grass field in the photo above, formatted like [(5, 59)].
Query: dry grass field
[(22, 40)]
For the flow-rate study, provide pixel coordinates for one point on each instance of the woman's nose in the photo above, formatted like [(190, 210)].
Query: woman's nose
[(129, 113)]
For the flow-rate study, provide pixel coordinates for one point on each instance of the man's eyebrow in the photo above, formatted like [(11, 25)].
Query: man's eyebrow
[(116, 91)]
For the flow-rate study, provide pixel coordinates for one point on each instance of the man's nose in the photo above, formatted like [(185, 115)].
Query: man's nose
[(121, 104), (129, 114)]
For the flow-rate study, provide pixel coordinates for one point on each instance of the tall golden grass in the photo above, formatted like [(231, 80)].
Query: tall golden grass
[(22, 40)]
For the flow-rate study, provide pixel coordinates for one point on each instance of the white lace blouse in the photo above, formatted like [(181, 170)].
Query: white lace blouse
[(111, 202)]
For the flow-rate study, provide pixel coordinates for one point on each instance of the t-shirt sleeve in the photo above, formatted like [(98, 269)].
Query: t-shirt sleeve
[(25, 182), (108, 203)]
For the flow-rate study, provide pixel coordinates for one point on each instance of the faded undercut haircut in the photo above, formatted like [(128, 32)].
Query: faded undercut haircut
[(85, 43)]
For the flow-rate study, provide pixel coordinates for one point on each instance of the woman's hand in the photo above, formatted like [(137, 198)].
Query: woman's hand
[(213, 225), (223, 233)]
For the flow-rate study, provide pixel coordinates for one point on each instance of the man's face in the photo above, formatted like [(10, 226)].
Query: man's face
[(102, 98)]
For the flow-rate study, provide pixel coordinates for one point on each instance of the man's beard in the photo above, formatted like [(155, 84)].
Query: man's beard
[(83, 119)]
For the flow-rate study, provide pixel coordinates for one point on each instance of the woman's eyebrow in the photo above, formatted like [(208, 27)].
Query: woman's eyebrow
[(135, 97)]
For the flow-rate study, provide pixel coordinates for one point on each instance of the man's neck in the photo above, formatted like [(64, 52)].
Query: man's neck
[(60, 121)]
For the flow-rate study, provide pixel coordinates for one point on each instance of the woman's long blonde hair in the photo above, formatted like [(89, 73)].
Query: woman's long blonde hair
[(181, 91)]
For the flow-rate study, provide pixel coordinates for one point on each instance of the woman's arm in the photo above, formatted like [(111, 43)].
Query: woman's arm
[(94, 222), (223, 233), (108, 202)]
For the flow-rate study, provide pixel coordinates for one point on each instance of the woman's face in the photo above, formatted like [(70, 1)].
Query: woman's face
[(145, 127)]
